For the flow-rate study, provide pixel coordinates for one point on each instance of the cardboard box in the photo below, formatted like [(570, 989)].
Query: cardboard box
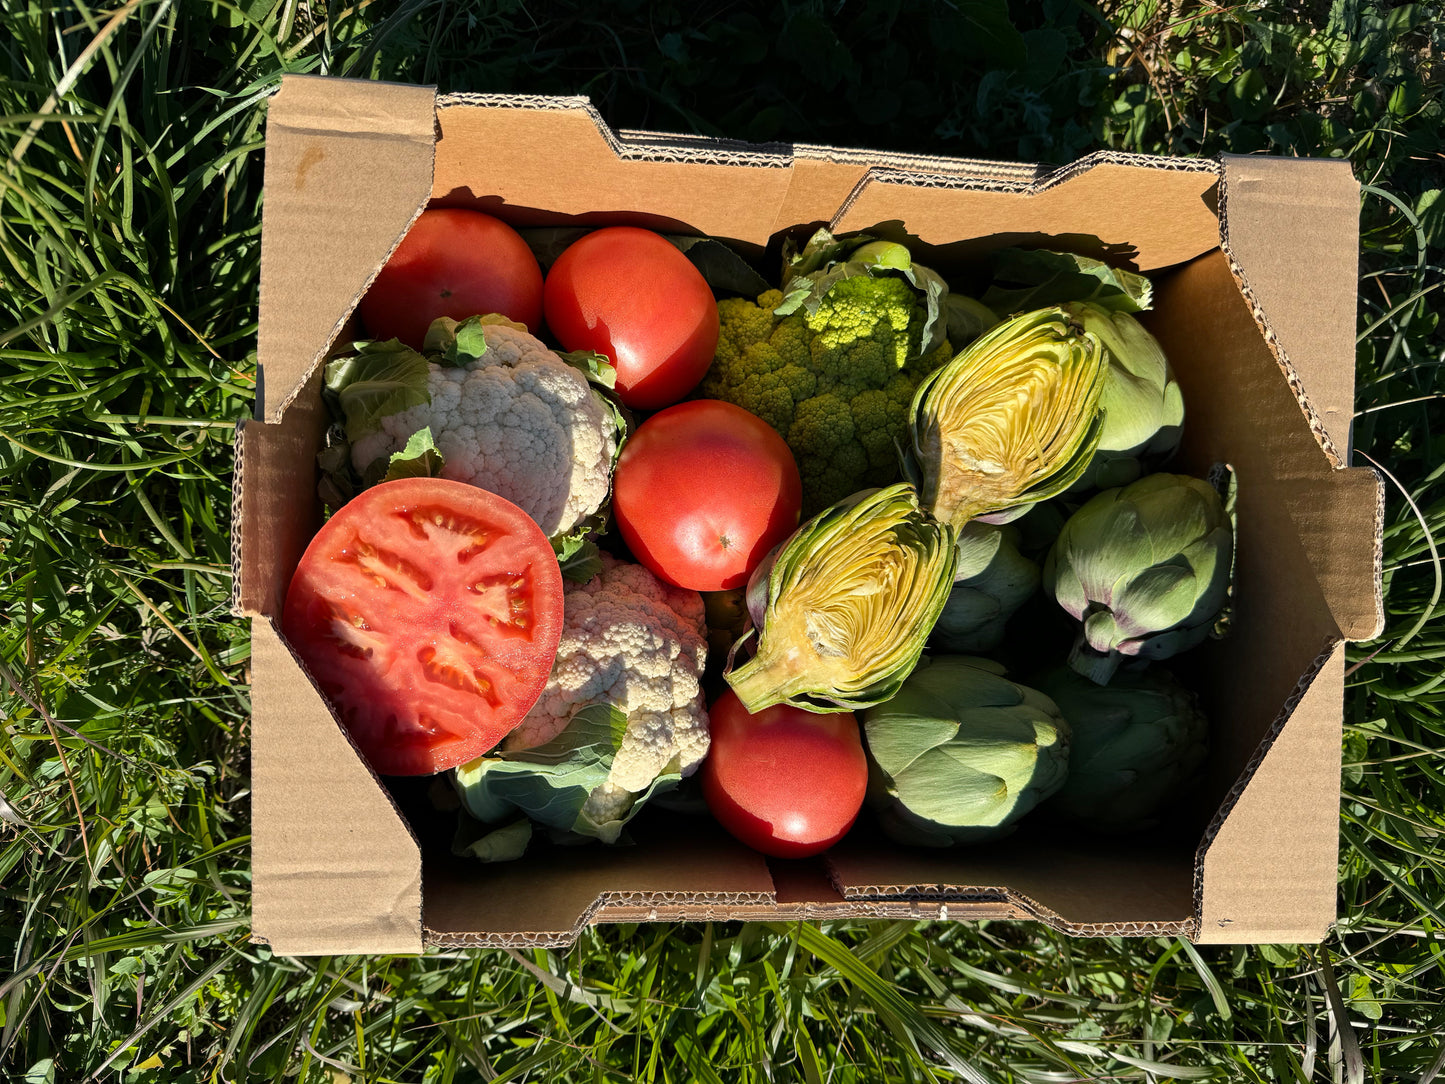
[(1255, 265)]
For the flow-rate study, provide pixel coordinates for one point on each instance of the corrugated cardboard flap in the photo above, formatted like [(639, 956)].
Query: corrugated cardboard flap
[(1267, 869), (334, 866), (1148, 212), (548, 898), (274, 506), (1290, 227), (348, 167), (1304, 580)]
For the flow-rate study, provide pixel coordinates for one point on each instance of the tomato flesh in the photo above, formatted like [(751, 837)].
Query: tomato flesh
[(703, 490), (629, 294), (429, 613), (786, 782), (458, 263)]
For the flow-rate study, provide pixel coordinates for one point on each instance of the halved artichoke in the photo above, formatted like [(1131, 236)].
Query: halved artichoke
[(844, 606), (1010, 421)]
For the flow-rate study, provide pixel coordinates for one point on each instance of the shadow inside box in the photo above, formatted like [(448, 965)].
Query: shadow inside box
[(689, 860)]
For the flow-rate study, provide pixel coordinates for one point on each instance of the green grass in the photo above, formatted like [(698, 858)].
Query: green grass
[(130, 190)]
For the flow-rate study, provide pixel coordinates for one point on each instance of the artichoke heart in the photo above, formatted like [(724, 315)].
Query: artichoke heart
[(1010, 421), (845, 605)]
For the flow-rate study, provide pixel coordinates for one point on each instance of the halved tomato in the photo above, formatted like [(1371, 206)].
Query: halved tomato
[(429, 613)]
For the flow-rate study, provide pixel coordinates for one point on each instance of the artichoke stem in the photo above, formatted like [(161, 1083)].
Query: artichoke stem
[(1091, 664), (756, 685)]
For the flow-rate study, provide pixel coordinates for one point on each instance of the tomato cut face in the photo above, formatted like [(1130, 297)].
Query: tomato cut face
[(429, 613)]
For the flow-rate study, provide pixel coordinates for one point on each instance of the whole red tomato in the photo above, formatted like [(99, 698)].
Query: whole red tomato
[(429, 612), (785, 781), (631, 295), (456, 263), (702, 491)]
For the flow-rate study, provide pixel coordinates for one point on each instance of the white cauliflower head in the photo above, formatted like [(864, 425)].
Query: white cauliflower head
[(518, 421), (632, 641)]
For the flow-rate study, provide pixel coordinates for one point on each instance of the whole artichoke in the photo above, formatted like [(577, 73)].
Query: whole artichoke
[(961, 753), (991, 582), (1146, 569), (1012, 420), (1143, 406), (845, 604), (1135, 744)]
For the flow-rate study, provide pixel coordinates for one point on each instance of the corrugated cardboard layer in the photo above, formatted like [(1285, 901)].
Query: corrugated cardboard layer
[(1148, 217), (1241, 412), (1303, 278), (348, 166), (559, 162), (554, 895), (1253, 890), (333, 866), (1070, 884), (276, 508), (1300, 524)]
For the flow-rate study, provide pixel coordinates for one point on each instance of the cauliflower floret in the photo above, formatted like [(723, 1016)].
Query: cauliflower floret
[(518, 421), (632, 641)]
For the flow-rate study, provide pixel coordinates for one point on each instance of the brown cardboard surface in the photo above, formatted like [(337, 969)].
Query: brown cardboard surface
[(333, 867), (551, 896), (1305, 538), (1072, 886), (348, 166), (560, 162), (1269, 873), (1302, 276), (1150, 217), (825, 177), (1306, 575), (1242, 413), (275, 511)]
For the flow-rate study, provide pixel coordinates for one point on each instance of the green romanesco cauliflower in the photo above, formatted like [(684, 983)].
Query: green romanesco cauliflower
[(835, 383)]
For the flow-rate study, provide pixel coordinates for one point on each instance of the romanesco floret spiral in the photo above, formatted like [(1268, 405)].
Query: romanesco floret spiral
[(518, 421), (835, 384)]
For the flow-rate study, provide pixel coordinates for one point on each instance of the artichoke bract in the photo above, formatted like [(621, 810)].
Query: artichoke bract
[(1146, 569), (1143, 406), (1135, 744), (1012, 420), (961, 753), (992, 581), (844, 606)]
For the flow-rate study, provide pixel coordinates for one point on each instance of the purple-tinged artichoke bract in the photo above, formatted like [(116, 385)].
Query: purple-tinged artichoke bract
[(1145, 568)]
